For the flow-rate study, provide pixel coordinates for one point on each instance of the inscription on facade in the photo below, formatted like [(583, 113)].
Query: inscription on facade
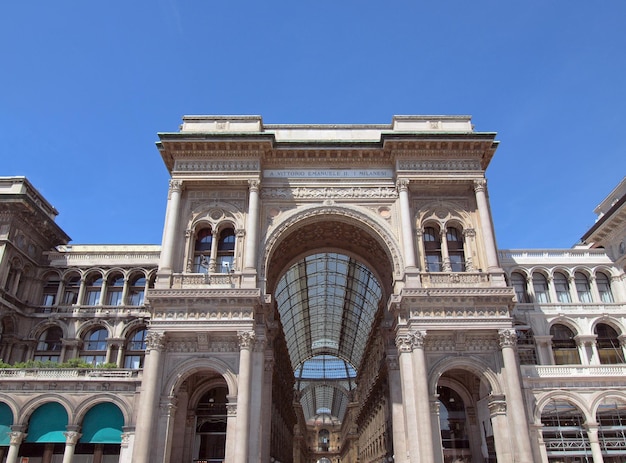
[(329, 173)]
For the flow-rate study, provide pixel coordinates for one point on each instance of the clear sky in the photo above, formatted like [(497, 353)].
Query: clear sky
[(85, 87)]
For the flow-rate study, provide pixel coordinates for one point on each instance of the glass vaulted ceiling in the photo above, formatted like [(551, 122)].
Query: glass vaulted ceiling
[(327, 303)]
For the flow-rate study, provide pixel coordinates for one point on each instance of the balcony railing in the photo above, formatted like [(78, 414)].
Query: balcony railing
[(570, 371), (442, 279), (202, 280), (68, 373)]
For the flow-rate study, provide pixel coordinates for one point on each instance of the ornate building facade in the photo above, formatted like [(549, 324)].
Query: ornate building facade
[(321, 294)]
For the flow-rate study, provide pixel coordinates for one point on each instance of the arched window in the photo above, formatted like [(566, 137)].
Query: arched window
[(604, 287), (95, 346), (540, 287), (226, 251), (202, 250), (519, 285), (50, 290), (72, 287), (432, 248), (115, 289), (454, 239), (583, 289), (135, 350), (49, 345), (564, 433), (561, 286), (607, 342), (93, 290), (611, 416), (564, 345), (137, 290)]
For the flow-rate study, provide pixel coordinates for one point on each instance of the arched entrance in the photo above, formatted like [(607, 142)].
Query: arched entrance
[(331, 279)]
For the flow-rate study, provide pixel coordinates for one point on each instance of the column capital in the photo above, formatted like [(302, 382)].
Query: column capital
[(497, 405), (254, 184), (480, 185), (176, 185), (155, 341), (469, 232), (507, 338), (410, 341), (246, 339), (402, 184), (16, 437), (71, 437)]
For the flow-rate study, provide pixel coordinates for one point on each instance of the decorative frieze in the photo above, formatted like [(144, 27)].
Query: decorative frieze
[(329, 192), (436, 164), (229, 165)]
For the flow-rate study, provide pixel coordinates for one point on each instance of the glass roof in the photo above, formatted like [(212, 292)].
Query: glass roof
[(327, 303)]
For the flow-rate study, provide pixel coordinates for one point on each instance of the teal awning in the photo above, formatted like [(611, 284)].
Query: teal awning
[(47, 424), (6, 420), (102, 425)]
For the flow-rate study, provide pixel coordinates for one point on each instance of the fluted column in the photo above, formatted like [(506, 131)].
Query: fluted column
[(252, 225), (407, 229), (246, 342), (508, 340), (171, 225), (422, 397), (404, 343), (71, 439), (480, 187), (16, 439), (149, 399), (594, 443)]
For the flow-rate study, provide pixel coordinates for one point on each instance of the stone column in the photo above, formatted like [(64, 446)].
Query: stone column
[(170, 409), (252, 225), (404, 343), (422, 397), (149, 398), (581, 342), (419, 235), (266, 420), (468, 238), (594, 443), (436, 427), (71, 439), (445, 253), (501, 433), (480, 187), (16, 438), (407, 229), (544, 350), (622, 342), (246, 342), (171, 226), (521, 437), (397, 412), (231, 429), (213, 254)]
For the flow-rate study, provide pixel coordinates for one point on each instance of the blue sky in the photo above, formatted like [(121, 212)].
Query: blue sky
[(86, 86)]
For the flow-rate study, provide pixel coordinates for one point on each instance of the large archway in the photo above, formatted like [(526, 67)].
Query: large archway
[(331, 279)]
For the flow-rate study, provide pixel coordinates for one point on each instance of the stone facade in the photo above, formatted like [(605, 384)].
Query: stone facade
[(321, 294)]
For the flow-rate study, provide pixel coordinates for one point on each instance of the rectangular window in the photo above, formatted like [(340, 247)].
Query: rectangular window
[(114, 298), (433, 263), (93, 298)]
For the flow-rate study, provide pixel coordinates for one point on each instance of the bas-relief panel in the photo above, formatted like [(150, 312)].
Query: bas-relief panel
[(199, 200)]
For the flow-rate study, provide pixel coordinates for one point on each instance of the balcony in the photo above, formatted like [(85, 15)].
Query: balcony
[(83, 374), (446, 279), (569, 372)]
